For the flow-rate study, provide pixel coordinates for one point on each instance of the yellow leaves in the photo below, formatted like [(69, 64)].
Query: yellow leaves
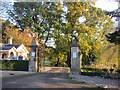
[(91, 31), (47, 50), (88, 14), (83, 26), (73, 13), (78, 0), (109, 56), (97, 45), (19, 36), (93, 1)]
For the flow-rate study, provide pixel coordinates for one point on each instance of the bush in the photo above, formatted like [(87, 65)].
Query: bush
[(15, 65), (92, 73), (111, 70), (6, 65), (89, 69), (118, 71), (105, 70)]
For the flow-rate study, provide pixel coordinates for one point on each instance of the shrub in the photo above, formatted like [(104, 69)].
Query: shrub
[(15, 65), (92, 73), (89, 69), (118, 71), (105, 70), (111, 70)]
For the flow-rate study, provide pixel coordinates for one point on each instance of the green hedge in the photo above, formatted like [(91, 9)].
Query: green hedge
[(14, 65), (89, 69)]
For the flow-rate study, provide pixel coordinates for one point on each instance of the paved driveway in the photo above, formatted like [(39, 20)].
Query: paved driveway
[(54, 77), (43, 80), (13, 73)]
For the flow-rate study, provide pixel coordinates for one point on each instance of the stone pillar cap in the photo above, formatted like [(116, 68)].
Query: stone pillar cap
[(35, 43), (75, 42)]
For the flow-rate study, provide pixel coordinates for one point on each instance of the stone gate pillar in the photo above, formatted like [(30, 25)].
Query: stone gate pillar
[(33, 56), (75, 58)]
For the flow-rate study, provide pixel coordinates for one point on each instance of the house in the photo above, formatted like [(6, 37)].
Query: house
[(10, 50)]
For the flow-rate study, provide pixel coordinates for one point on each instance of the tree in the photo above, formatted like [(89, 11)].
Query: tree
[(39, 16), (19, 36), (90, 32), (114, 37), (50, 20)]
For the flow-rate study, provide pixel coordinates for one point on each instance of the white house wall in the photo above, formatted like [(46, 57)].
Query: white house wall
[(22, 51), (14, 52), (7, 52)]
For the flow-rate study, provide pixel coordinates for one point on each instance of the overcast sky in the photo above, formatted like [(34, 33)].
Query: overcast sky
[(108, 5)]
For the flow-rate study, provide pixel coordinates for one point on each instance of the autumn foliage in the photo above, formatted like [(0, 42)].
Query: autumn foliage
[(19, 36)]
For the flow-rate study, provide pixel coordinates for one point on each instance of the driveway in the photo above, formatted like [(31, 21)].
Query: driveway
[(43, 80), (54, 77), (13, 73)]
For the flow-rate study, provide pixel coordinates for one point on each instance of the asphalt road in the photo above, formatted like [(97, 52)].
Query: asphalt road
[(42, 80)]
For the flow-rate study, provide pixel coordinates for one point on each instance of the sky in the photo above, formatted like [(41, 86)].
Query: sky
[(108, 5)]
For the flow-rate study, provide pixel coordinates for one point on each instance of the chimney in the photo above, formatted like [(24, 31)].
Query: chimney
[(10, 40)]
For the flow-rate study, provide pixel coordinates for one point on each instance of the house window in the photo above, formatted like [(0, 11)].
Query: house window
[(11, 54), (4, 55)]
